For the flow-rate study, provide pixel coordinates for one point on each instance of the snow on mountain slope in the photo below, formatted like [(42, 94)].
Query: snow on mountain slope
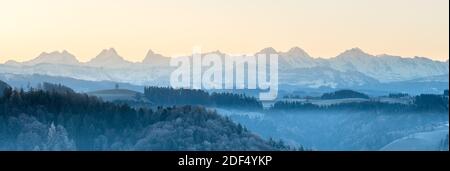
[(387, 68), (298, 58), (292, 59), (138, 75), (63, 58), (154, 59), (12, 63), (268, 50), (317, 77), (109, 58), (296, 67)]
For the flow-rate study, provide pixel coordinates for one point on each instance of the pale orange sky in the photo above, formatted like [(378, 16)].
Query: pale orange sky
[(324, 28)]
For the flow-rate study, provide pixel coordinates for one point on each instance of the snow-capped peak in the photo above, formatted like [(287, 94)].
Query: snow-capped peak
[(297, 52), (354, 52), (156, 59), (55, 57), (268, 50), (297, 58), (108, 53), (109, 58), (150, 53), (12, 63)]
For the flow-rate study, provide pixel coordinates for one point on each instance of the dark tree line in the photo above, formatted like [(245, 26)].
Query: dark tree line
[(51, 120), (421, 103), (431, 102), (171, 96), (342, 94), (58, 88), (398, 95), (3, 86), (355, 106)]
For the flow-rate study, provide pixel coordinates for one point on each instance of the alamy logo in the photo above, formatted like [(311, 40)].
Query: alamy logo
[(214, 71)]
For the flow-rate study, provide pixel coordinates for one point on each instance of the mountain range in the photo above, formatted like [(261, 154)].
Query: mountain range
[(351, 68)]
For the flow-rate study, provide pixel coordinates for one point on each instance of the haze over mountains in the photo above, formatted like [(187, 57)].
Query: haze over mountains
[(352, 68)]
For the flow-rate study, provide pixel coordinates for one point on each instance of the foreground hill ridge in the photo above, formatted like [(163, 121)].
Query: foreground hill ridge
[(55, 118)]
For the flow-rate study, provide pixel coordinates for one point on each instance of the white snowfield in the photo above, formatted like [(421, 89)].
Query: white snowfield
[(351, 68), (423, 141)]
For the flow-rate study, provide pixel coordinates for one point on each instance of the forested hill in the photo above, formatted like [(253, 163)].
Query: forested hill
[(424, 103), (170, 96), (342, 94), (50, 120), (3, 86)]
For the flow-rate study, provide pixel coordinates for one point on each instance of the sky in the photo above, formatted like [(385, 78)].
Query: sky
[(323, 28)]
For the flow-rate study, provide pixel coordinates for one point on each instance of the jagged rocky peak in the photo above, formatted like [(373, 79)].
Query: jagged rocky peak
[(111, 52), (55, 57), (268, 50), (297, 52), (154, 58), (109, 58), (354, 52)]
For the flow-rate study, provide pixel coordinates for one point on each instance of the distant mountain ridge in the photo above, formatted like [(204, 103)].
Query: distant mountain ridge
[(353, 67), (295, 57), (109, 58), (386, 67), (63, 58), (155, 59)]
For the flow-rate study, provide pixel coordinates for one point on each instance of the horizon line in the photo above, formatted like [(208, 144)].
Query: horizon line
[(215, 51)]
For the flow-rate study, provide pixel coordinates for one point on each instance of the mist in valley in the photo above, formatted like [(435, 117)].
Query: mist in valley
[(339, 130)]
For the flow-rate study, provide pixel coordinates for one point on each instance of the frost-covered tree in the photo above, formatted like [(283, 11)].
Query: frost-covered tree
[(57, 139), (65, 120)]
